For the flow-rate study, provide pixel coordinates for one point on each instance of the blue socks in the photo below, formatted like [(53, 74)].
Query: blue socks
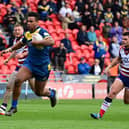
[(14, 103), (51, 93)]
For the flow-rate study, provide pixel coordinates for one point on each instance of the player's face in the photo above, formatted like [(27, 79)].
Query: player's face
[(125, 41), (18, 31), (31, 23)]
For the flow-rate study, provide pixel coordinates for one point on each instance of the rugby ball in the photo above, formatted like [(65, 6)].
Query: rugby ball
[(38, 37)]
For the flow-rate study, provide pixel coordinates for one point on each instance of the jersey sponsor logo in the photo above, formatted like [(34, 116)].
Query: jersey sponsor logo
[(125, 60)]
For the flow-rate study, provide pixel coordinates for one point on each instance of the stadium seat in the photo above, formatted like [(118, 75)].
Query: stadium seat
[(66, 64), (98, 33), (107, 55), (5, 69), (91, 61), (71, 69), (75, 47)]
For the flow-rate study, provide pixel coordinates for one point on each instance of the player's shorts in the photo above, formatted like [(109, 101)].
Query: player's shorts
[(17, 68), (39, 72), (124, 79)]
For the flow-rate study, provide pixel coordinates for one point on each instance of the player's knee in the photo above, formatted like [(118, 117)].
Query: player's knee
[(18, 82), (38, 93)]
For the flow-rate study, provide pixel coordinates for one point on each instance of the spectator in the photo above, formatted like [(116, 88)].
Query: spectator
[(86, 16), (14, 7), (80, 5), (124, 11), (67, 43), (58, 57), (82, 36), (116, 7), (6, 2), (125, 22), (53, 7), (64, 10), (2, 41), (97, 19), (116, 30), (60, 4), (43, 9), (118, 18), (96, 69), (114, 47), (67, 20), (83, 67), (106, 30), (108, 16), (19, 16), (108, 3), (91, 35), (100, 50), (9, 21), (76, 14), (24, 8)]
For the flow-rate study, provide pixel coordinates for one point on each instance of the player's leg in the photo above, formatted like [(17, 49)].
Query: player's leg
[(40, 90), (32, 83), (116, 87), (23, 74), (126, 96), (8, 93)]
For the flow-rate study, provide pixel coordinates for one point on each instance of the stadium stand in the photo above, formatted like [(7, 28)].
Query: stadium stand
[(54, 27)]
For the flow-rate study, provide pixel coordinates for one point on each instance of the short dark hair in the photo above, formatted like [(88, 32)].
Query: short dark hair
[(34, 14), (126, 34)]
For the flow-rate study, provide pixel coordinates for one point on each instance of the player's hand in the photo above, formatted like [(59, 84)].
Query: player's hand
[(19, 56), (6, 51), (106, 71), (6, 61)]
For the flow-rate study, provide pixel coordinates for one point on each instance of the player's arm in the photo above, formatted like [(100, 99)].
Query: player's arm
[(21, 55), (47, 41), (113, 63), (10, 57), (18, 45)]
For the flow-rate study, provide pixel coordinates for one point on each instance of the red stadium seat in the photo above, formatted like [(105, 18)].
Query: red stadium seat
[(91, 61), (71, 69)]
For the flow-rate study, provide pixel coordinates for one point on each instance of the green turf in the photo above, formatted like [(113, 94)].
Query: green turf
[(68, 114)]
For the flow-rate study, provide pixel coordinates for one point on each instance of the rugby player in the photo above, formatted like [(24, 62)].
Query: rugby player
[(20, 54), (37, 63), (122, 81)]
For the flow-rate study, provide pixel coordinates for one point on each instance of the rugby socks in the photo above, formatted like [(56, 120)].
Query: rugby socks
[(52, 93), (14, 103), (106, 104), (3, 106)]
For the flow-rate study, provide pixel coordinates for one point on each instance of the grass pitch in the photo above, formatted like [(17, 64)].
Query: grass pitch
[(68, 114)]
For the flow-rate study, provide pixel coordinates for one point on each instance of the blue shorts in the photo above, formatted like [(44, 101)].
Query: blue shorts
[(124, 79), (17, 68), (39, 72)]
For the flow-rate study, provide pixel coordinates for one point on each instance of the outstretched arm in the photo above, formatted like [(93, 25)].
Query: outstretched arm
[(14, 47), (10, 57), (114, 62)]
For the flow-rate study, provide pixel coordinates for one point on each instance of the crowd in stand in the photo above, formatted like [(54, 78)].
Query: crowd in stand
[(100, 24)]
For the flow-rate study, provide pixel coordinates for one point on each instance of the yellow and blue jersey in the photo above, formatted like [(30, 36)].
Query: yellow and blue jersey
[(37, 56), (37, 61)]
